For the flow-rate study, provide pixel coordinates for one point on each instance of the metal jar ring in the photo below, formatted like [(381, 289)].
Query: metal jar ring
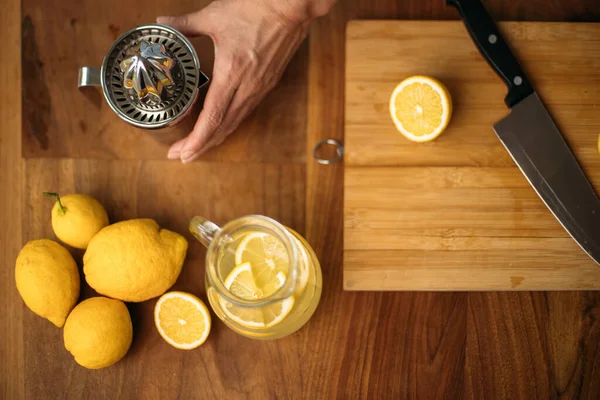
[(338, 147)]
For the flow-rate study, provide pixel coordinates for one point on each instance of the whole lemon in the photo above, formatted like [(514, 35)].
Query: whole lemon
[(134, 260), (98, 332), (47, 279), (76, 218)]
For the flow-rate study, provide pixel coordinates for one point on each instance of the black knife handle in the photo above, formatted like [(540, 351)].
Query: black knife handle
[(494, 49)]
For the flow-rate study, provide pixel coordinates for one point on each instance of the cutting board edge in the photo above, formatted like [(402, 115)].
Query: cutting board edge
[(503, 283)]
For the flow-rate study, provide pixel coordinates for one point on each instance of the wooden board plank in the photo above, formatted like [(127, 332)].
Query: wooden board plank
[(12, 377), (456, 213), (169, 192), (59, 120), (445, 203), (467, 270)]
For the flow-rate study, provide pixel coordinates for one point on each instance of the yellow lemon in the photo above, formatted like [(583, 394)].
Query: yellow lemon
[(182, 320), (420, 107), (98, 332), (47, 279), (76, 218), (134, 260)]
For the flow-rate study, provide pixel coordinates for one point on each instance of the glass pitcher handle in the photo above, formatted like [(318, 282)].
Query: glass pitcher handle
[(203, 230)]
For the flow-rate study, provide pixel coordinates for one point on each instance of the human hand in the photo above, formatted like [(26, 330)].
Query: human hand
[(254, 41)]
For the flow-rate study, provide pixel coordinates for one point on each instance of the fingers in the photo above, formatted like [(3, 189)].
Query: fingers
[(213, 114), (242, 104), (175, 150), (193, 24), (244, 71)]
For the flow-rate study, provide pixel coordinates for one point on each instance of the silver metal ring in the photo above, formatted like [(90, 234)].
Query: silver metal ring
[(338, 147)]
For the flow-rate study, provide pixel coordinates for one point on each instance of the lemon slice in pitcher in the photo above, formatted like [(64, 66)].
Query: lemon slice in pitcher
[(266, 254), (241, 282)]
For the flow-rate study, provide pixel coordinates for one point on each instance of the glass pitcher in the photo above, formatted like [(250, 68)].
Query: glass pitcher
[(262, 279)]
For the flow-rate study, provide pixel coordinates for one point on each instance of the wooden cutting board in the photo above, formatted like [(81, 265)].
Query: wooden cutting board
[(456, 213)]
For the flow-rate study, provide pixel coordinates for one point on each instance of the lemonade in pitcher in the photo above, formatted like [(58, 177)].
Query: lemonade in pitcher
[(262, 279)]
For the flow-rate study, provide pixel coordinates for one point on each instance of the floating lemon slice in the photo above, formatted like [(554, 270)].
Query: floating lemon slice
[(420, 107), (241, 282), (266, 254), (182, 320)]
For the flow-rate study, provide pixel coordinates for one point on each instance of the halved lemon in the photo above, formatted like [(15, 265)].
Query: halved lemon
[(266, 254), (182, 320), (241, 282), (420, 107)]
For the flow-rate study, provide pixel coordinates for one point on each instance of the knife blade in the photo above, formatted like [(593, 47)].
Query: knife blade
[(532, 138)]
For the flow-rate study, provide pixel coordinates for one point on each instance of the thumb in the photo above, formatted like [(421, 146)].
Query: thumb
[(193, 24)]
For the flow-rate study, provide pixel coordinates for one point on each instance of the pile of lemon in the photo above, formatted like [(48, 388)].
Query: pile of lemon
[(128, 261)]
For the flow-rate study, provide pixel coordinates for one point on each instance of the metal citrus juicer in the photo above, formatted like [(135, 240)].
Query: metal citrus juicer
[(150, 76)]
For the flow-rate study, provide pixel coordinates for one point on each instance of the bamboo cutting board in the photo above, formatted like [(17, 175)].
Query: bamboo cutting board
[(456, 213)]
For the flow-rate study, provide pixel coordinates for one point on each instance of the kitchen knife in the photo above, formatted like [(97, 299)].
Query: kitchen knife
[(533, 139)]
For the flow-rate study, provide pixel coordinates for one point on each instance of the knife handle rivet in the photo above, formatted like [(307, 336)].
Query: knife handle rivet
[(518, 80), (492, 38)]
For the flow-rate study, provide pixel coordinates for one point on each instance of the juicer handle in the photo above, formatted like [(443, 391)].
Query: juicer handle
[(89, 76), (203, 230)]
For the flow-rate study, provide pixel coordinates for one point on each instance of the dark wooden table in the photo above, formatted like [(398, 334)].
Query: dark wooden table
[(358, 345)]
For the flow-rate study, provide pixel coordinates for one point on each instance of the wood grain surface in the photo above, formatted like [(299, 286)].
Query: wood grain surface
[(60, 120), (370, 345), (457, 213), (12, 352)]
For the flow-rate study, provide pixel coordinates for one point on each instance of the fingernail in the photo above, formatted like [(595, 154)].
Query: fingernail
[(173, 154), (162, 20), (187, 156)]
